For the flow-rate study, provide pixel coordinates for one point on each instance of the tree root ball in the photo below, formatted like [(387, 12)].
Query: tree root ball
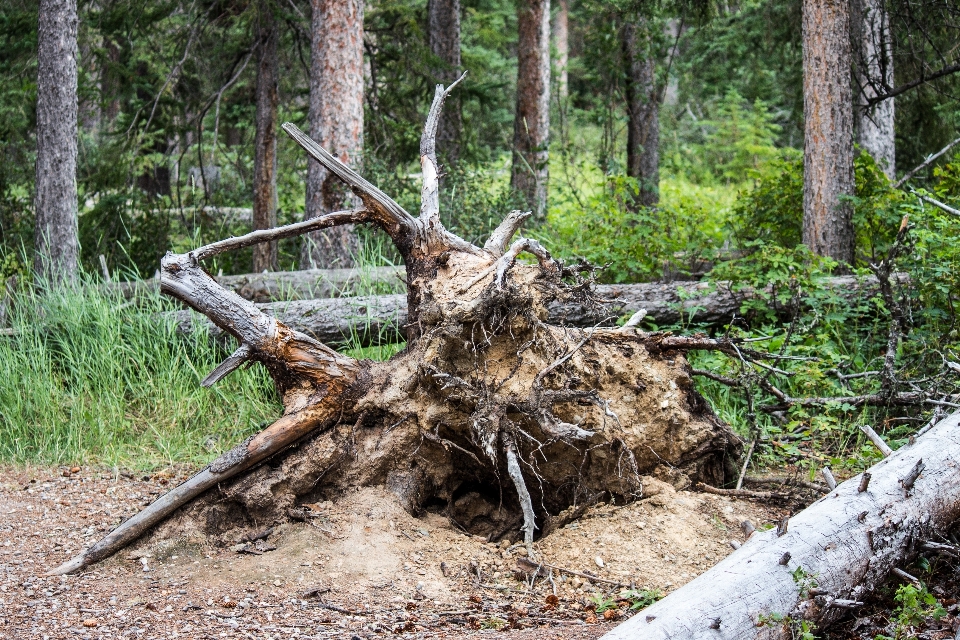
[(588, 412)]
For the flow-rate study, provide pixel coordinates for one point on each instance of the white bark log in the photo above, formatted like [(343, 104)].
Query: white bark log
[(847, 542)]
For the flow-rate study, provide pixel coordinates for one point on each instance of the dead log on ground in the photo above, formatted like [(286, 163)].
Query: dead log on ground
[(490, 410), (833, 553), (308, 284), (373, 320)]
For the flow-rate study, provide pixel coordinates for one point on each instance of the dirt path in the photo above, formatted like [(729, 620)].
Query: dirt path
[(359, 568)]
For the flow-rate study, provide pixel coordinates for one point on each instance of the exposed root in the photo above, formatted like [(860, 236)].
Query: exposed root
[(526, 504)]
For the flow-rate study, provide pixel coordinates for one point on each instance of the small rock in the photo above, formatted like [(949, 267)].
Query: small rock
[(89, 622), (74, 469), (599, 561), (277, 583), (522, 551)]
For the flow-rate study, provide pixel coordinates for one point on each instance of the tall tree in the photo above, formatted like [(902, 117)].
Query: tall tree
[(531, 123), (336, 122), (444, 31), (828, 129), (561, 42), (874, 67), (55, 230), (643, 121), (265, 145)]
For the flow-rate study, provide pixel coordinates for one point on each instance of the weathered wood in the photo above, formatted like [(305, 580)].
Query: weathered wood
[(848, 542), (372, 320), (308, 284)]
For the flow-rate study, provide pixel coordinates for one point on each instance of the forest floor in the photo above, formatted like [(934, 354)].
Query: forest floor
[(360, 568)]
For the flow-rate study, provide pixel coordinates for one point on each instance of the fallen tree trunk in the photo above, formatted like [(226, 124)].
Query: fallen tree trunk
[(491, 410), (831, 555), (291, 285), (373, 320)]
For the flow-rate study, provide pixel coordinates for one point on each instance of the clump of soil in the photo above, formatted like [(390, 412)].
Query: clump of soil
[(361, 565)]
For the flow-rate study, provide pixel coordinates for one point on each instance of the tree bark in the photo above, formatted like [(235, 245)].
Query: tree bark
[(643, 127), (483, 386), (874, 66), (561, 41), (832, 555), (55, 232), (265, 146), (336, 122), (444, 32), (828, 130), (531, 124)]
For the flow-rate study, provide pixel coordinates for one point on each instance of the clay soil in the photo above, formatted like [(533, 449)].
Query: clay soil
[(358, 568)]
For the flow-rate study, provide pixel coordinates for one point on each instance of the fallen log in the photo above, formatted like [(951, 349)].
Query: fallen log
[(833, 553), (372, 320), (290, 285)]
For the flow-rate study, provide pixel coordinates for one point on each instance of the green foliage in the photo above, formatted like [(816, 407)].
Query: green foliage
[(772, 211), (916, 605), (635, 244), (805, 581), (87, 376), (602, 602), (734, 143), (639, 598)]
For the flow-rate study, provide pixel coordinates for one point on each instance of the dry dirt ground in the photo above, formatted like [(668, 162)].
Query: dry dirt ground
[(359, 568)]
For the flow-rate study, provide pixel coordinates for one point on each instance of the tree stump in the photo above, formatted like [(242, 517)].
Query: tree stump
[(490, 413)]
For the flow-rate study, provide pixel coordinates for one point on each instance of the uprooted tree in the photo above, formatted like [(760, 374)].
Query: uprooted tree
[(488, 402)]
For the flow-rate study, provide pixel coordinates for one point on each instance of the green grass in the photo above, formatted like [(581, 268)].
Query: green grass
[(89, 377)]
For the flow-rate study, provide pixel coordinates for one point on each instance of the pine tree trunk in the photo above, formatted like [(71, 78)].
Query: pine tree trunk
[(55, 231), (643, 128), (874, 64), (444, 18), (561, 41), (531, 125), (828, 129), (336, 122), (265, 152)]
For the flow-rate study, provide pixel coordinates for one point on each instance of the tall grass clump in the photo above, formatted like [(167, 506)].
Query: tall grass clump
[(88, 376)]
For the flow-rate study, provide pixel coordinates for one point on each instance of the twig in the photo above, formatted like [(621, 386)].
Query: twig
[(787, 481), (277, 233), (876, 440), (588, 576), (513, 470), (906, 576), (740, 493), (926, 163), (746, 463), (944, 207), (828, 476)]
